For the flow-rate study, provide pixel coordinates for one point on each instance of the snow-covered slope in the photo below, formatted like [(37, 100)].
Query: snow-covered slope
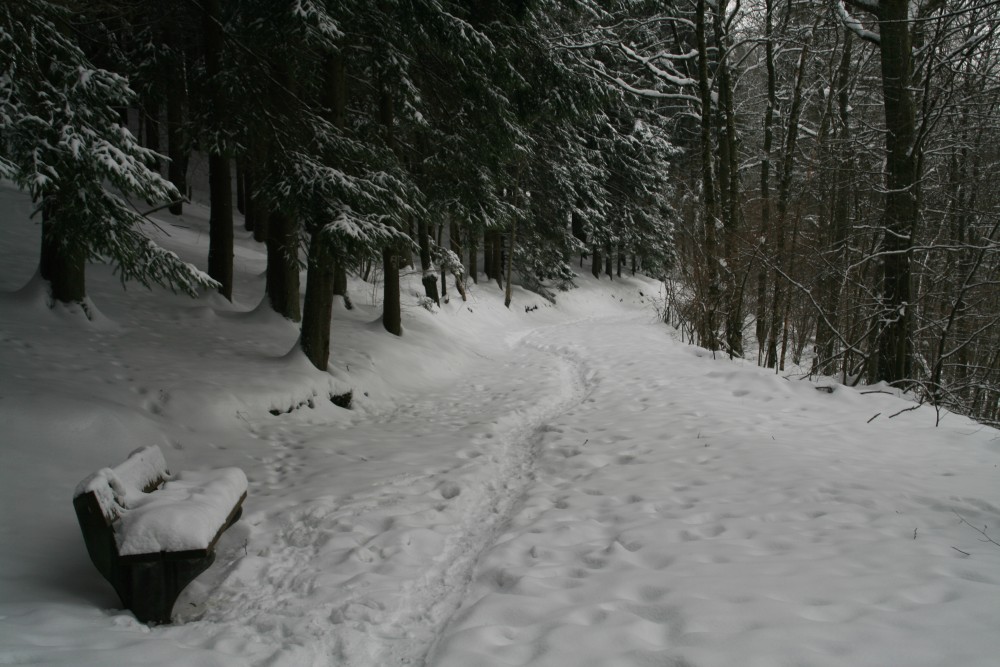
[(567, 486)]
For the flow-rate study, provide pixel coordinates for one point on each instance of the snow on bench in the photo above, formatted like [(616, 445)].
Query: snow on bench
[(150, 533)]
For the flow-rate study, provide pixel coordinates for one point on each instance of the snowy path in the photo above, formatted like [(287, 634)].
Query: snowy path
[(577, 499), (372, 576), (692, 513)]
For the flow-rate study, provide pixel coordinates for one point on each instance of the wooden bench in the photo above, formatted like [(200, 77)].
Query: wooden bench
[(151, 533)]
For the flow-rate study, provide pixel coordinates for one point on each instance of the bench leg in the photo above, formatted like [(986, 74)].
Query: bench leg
[(149, 588)]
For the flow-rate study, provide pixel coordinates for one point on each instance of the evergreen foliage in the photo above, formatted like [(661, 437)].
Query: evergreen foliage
[(61, 141)]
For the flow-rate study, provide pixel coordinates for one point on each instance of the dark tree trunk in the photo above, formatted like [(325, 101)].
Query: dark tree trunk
[(510, 263), (778, 308), (761, 329), (729, 182), (424, 242), (498, 258), (430, 283), (894, 345), (707, 326), (318, 308), (488, 254), (62, 262), (840, 218), (241, 204), (283, 266), (473, 255), (220, 236), (609, 263), (220, 224), (177, 149), (392, 318), (250, 209), (429, 279), (153, 131), (577, 226), (595, 262)]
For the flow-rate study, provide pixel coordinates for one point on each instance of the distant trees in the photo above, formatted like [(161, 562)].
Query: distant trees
[(834, 190)]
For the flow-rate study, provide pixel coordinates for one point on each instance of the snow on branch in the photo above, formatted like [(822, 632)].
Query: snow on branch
[(853, 24)]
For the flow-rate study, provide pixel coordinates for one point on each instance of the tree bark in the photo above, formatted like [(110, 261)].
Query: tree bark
[(392, 318), (241, 205), (510, 263), (220, 236), (62, 261), (761, 328), (498, 257), (473, 254), (318, 309), (894, 345), (220, 224), (707, 326), (283, 266), (840, 219), (177, 149)]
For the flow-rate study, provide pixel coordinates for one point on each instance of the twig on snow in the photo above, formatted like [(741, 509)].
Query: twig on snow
[(981, 531)]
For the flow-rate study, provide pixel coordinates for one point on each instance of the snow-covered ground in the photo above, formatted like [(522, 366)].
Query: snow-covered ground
[(563, 487)]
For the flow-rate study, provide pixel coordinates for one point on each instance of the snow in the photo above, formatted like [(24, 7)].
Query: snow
[(564, 487)]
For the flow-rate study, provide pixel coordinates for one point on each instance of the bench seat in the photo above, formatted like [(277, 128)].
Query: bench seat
[(151, 533)]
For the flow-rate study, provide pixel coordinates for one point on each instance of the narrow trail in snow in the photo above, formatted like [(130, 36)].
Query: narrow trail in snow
[(428, 603), (372, 577)]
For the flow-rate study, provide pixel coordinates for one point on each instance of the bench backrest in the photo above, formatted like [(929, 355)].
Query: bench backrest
[(144, 470)]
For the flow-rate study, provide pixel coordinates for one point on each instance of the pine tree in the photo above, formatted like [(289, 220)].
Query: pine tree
[(61, 141)]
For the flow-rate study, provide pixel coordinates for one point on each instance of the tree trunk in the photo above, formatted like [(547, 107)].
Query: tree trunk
[(840, 218), (473, 255), (283, 266), (392, 318), (784, 195), (510, 262), (177, 149), (761, 329), (318, 308), (220, 224), (62, 261), (894, 345), (424, 242), (498, 257), (250, 209), (152, 119), (707, 326), (220, 236), (729, 181), (241, 204)]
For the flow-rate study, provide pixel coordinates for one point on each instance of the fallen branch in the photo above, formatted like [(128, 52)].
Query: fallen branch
[(981, 531)]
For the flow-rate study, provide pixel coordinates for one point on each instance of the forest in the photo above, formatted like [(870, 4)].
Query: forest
[(814, 181)]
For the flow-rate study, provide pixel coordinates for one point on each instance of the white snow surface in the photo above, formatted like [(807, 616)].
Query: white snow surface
[(565, 487)]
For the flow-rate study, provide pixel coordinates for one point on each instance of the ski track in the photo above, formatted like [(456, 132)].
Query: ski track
[(374, 578)]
